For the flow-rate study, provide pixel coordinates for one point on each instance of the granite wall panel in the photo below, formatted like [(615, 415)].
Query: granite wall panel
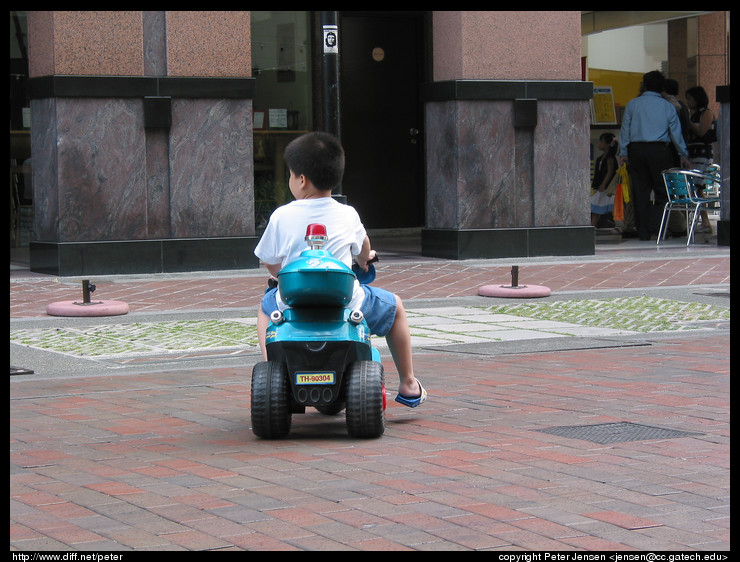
[(211, 163), (100, 168), (561, 163), (44, 147), (487, 183), (157, 184), (486, 173), (441, 179)]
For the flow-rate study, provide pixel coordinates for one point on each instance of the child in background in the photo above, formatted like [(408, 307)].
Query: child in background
[(605, 168)]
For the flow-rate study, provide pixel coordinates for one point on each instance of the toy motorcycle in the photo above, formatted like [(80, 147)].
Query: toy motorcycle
[(319, 351)]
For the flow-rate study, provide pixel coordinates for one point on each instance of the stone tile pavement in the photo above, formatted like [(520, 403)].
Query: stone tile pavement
[(159, 455)]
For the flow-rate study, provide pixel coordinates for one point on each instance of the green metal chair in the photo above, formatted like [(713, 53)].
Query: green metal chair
[(682, 187)]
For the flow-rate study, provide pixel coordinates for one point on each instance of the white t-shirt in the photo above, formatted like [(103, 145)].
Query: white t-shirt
[(285, 236)]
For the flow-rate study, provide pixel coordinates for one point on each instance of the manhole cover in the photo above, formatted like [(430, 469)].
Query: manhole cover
[(616, 432)]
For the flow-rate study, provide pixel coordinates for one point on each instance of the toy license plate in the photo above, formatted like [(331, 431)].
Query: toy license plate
[(324, 377)]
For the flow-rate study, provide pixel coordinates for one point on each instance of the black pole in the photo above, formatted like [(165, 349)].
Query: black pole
[(514, 275), (330, 74), (330, 71)]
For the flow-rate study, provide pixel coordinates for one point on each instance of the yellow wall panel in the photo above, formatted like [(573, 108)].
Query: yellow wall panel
[(625, 85)]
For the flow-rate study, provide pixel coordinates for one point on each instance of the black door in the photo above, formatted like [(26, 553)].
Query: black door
[(381, 57)]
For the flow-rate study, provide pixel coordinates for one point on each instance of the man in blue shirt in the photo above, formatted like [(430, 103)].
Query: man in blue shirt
[(649, 125)]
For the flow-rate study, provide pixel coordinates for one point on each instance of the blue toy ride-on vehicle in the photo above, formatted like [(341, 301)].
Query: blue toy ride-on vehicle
[(319, 352)]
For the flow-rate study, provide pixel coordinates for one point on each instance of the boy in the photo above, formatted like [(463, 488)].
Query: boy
[(316, 164)]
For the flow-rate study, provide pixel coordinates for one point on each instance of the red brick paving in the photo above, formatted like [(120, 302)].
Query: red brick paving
[(167, 460), (467, 470)]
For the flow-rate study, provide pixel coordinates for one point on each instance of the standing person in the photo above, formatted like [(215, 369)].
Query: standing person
[(671, 95), (702, 133), (677, 219), (605, 168), (316, 164), (649, 125)]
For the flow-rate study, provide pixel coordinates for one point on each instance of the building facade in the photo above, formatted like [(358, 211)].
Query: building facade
[(157, 136)]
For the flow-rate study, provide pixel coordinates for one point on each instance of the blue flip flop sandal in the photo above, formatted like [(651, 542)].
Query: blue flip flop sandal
[(414, 401)]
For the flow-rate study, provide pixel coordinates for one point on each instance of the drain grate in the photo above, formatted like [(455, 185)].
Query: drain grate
[(616, 432)]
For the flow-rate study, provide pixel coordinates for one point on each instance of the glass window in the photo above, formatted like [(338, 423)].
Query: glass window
[(283, 105)]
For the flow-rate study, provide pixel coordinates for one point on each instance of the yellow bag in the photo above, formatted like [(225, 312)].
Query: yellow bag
[(624, 181)]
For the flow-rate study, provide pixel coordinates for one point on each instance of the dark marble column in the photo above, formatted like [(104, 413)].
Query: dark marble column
[(118, 192), (507, 169), (141, 142), (723, 127)]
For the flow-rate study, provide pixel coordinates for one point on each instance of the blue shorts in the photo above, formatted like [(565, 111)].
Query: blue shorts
[(378, 307)]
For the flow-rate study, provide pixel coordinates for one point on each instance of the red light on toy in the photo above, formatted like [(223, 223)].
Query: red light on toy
[(315, 230), (316, 236)]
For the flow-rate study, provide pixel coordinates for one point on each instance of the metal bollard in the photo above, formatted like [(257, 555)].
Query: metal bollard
[(87, 288), (514, 275)]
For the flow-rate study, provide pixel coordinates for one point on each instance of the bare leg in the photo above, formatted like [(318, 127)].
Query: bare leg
[(399, 344), (705, 220), (262, 322), (704, 215)]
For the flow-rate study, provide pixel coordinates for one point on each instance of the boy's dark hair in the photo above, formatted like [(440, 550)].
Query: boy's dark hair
[(318, 156)]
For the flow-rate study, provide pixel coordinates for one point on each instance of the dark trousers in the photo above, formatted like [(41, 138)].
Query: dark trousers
[(646, 162)]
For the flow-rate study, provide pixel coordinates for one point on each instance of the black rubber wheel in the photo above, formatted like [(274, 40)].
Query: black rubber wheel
[(271, 412), (365, 399)]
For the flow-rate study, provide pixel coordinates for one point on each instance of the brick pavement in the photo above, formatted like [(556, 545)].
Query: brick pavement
[(166, 460), (421, 280)]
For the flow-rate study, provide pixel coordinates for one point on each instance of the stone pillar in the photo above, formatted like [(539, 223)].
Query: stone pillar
[(723, 128), (507, 136), (712, 54), (141, 142), (678, 61), (713, 74)]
